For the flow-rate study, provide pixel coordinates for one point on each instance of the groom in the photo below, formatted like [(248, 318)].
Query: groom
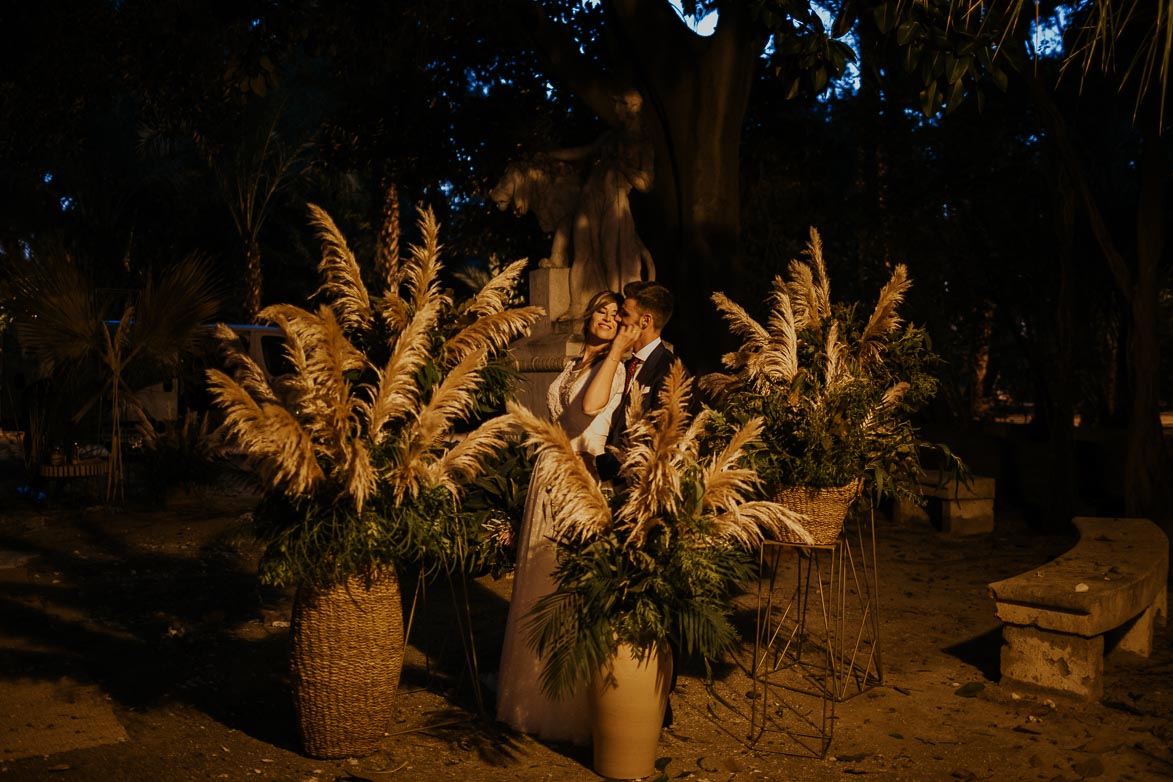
[(647, 306)]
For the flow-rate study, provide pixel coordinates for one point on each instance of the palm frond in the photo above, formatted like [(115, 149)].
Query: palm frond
[(170, 310), (60, 319), (581, 510), (341, 277), (884, 319)]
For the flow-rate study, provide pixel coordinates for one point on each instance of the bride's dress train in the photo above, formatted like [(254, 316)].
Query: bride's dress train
[(521, 703)]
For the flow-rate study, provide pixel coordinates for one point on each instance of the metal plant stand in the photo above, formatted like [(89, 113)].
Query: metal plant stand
[(817, 639)]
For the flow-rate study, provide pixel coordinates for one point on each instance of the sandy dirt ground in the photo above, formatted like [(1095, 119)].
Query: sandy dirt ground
[(136, 644)]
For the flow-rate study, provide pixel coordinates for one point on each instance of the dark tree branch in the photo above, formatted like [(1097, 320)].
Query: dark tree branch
[(1056, 125), (559, 51)]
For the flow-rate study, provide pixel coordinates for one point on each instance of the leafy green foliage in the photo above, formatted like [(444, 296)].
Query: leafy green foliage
[(836, 391), (491, 512), (655, 561), (357, 444), (825, 438), (312, 540), (675, 587)]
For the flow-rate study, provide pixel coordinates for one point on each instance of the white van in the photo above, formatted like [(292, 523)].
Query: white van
[(166, 401)]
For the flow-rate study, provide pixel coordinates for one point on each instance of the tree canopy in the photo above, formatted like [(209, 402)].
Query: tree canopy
[(1012, 154)]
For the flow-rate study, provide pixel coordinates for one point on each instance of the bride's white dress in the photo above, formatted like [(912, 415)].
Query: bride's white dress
[(520, 700)]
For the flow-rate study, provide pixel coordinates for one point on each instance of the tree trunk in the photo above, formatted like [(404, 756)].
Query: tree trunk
[(696, 92), (1061, 426), (1138, 284), (699, 95), (252, 279), (1144, 463)]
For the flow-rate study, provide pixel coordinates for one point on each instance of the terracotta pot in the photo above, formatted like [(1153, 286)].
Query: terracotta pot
[(346, 655), (627, 701)]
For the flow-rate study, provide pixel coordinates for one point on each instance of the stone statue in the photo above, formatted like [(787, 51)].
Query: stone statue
[(607, 252), (549, 188)]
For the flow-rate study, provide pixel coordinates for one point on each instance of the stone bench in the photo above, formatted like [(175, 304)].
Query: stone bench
[(1103, 594), (956, 508)]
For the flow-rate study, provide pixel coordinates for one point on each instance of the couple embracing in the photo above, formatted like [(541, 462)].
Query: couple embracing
[(622, 347)]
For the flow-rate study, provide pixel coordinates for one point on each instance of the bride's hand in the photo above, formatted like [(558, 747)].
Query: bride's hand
[(625, 339)]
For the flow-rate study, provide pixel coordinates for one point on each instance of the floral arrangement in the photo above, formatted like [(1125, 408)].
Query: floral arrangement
[(357, 447), (835, 390), (655, 560)]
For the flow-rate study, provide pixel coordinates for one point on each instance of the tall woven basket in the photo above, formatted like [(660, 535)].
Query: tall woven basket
[(825, 508), (346, 656)]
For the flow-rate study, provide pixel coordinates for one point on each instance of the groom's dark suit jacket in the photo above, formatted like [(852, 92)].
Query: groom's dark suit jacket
[(651, 375)]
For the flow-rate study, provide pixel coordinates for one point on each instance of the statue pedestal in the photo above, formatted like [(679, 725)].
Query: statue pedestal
[(555, 338)]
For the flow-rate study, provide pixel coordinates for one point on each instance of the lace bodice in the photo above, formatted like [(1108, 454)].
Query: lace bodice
[(588, 434)]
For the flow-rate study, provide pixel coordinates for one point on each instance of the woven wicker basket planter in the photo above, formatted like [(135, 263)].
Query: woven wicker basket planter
[(346, 656), (825, 508)]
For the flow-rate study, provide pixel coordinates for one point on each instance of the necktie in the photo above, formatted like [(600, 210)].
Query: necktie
[(633, 364)]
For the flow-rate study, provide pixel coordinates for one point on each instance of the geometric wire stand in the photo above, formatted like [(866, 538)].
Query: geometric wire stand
[(861, 661), (816, 642)]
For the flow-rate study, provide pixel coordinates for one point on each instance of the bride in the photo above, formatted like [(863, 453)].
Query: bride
[(520, 700)]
